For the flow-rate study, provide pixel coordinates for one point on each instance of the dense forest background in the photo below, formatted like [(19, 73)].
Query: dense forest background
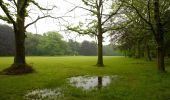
[(50, 43)]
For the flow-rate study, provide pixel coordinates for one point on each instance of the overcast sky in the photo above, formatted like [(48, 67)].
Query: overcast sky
[(48, 24)]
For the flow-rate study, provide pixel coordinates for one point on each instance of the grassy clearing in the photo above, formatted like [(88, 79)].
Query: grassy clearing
[(139, 79)]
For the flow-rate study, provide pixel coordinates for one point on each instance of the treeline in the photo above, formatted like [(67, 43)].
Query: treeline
[(50, 43), (137, 42), (138, 38)]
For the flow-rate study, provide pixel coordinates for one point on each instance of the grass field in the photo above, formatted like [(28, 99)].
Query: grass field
[(139, 79)]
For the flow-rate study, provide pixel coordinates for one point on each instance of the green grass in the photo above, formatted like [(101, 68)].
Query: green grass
[(139, 78)]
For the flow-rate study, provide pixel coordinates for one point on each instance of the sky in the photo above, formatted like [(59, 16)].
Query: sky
[(62, 10)]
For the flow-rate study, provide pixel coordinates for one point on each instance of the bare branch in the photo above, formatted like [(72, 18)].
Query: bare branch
[(93, 11), (112, 14), (124, 25), (47, 16)]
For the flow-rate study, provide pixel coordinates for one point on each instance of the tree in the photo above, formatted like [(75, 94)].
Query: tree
[(51, 43), (88, 48), (152, 12), (17, 19), (74, 47), (100, 24)]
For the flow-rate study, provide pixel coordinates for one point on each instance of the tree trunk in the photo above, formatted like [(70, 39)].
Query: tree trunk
[(160, 56), (137, 50), (19, 29), (19, 58), (100, 51), (159, 37), (100, 36), (148, 54)]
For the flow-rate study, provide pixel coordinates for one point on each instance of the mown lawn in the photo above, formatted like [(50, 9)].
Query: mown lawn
[(139, 79)]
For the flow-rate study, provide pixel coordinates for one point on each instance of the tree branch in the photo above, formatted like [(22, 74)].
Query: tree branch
[(7, 12), (81, 31), (24, 5), (38, 18), (88, 3), (15, 3), (117, 28), (4, 18), (145, 20), (112, 14), (41, 8), (167, 20)]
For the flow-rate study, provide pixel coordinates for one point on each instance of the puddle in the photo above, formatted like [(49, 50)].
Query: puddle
[(44, 94), (91, 82)]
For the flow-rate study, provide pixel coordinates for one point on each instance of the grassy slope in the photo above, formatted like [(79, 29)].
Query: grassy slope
[(139, 79)]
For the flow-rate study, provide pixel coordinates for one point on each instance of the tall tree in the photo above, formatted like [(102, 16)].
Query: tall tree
[(17, 17), (152, 12), (101, 11)]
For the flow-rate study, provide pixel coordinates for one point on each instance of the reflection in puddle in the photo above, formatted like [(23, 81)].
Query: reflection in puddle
[(87, 82), (44, 94)]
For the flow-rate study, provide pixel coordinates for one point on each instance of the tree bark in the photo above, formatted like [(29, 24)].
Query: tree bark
[(100, 35), (159, 38), (100, 51), (160, 57), (19, 66), (148, 53), (19, 58), (19, 30)]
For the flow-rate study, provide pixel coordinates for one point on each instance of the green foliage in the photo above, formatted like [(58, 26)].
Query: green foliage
[(49, 43), (31, 44), (74, 47), (4, 18), (139, 36)]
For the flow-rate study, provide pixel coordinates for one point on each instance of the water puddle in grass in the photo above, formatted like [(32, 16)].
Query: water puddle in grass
[(92, 82), (44, 94)]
